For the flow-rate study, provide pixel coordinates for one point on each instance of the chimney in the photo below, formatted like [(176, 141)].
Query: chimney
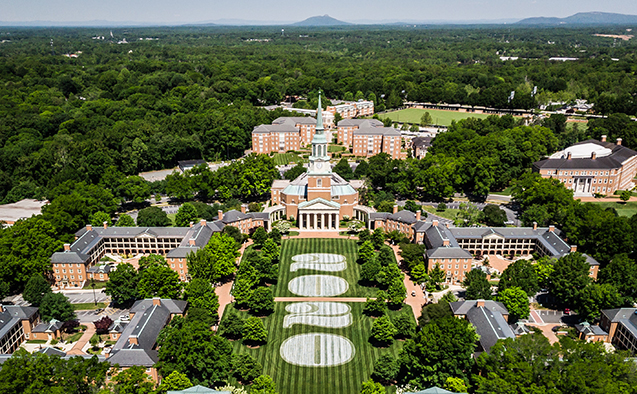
[(395, 210), (133, 340), (445, 243), (604, 138), (89, 227), (447, 224), (67, 247), (619, 141), (191, 224), (534, 225), (1, 308), (480, 304), (418, 213), (434, 222), (203, 222), (593, 155), (105, 224), (244, 208), (573, 248), (220, 214), (568, 156), (191, 242), (156, 301), (551, 228)]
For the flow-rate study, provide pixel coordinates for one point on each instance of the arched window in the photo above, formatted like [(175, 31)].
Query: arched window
[(319, 182)]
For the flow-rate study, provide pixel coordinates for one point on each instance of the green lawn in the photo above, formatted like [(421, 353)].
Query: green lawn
[(172, 217), (335, 148), (623, 209), (89, 306), (345, 247), (98, 285), (343, 379), (287, 158), (448, 213), (439, 117)]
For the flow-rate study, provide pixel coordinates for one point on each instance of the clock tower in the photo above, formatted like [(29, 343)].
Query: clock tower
[(319, 159)]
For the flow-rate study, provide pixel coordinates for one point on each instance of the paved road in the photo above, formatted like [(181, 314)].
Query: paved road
[(91, 316), (74, 296)]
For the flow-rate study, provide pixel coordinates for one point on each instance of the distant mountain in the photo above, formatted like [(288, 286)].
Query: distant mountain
[(324, 20), (584, 18)]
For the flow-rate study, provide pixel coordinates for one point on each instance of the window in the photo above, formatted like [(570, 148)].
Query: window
[(71, 271), (79, 277)]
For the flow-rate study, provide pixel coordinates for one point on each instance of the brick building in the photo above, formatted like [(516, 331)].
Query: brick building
[(80, 261), (621, 326), (592, 167), (419, 146), (346, 127), (370, 141), (454, 248), (137, 342), (318, 198), (490, 319), (16, 326), (284, 134), (352, 109)]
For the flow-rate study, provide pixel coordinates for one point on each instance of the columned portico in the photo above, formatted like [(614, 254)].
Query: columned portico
[(318, 220)]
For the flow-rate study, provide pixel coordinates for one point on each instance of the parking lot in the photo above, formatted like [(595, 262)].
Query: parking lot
[(549, 317), (91, 316)]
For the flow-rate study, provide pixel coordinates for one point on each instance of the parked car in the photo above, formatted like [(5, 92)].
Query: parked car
[(567, 311)]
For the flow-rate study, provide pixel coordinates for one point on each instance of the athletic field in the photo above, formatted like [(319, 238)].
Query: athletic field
[(438, 117), (318, 347)]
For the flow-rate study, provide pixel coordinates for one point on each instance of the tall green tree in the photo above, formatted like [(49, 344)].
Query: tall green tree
[(516, 301), (621, 272), (192, 349), (175, 381), (261, 301), (519, 274), (596, 297), (186, 214), (56, 306), (152, 217), (99, 218), (441, 349), (122, 284), (217, 260), (35, 290), (477, 285), (133, 380), (570, 276), (343, 169), (254, 331), (259, 237), (125, 220), (263, 385), (200, 294), (158, 280)]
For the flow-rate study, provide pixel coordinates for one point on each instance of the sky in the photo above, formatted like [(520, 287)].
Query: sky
[(192, 11)]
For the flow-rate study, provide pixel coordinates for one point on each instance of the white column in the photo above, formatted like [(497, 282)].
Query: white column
[(314, 224)]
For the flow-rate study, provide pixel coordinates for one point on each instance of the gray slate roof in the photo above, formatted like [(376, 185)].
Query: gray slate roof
[(619, 154), (587, 329), (51, 326), (615, 315), (360, 123), (12, 315), (275, 128), (294, 120), (147, 322), (490, 326), (422, 142), (385, 131), (462, 307)]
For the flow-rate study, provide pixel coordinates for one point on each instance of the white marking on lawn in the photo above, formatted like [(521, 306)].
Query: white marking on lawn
[(320, 314), (318, 286), (328, 262), (317, 350)]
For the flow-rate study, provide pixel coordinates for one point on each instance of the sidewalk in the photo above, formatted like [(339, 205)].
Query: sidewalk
[(318, 299), (77, 349)]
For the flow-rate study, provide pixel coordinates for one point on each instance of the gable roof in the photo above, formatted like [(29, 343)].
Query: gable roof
[(317, 202), (385, 131), (462, 307), (360, 123), (490, 326)]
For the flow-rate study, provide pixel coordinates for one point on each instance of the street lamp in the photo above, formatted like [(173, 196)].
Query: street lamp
[(93, 286)]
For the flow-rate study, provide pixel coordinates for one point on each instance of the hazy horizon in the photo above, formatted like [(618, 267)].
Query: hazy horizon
[(202, 11)]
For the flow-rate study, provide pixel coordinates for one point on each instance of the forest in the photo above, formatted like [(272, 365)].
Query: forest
[(171, 94)]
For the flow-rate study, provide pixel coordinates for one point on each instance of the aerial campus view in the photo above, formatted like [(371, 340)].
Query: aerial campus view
[(236, 198)]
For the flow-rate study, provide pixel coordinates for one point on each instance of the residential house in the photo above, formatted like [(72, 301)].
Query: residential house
[(16, 326), (489, 319)]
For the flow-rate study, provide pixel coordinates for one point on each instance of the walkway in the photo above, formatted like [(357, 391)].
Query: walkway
[(320, 234), (223, 291), (419, 300), (316, 299), (77, 349)]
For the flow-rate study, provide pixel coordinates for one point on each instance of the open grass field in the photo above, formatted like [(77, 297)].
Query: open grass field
[(89, 306), (342, 379), (439, 117), (448, 213), (623, 209), (281, 159), (345, 247)]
